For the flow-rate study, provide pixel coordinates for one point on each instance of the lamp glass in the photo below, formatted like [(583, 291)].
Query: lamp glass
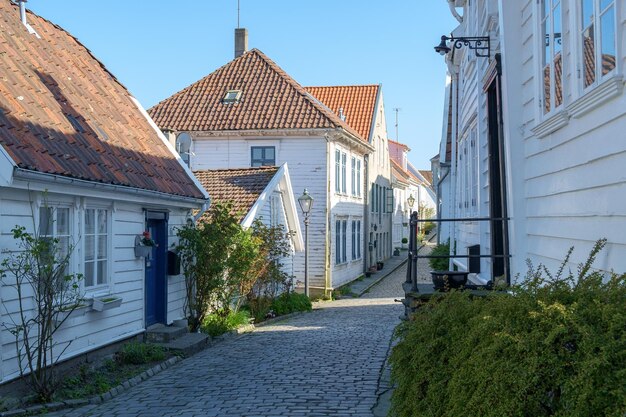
[(411, 200), (305, 201)]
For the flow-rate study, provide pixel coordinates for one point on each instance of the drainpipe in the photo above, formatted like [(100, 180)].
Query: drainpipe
[(366, 213), (328, 221)]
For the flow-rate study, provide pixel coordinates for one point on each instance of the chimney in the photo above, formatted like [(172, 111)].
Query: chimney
[(241, 41), (23, 12)]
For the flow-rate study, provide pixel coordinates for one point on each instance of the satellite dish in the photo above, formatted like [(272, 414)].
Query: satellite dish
[(183, 145)]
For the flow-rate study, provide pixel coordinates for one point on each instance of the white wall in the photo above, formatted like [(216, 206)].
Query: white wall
[(126, 278), (571, 189), (307, 158)]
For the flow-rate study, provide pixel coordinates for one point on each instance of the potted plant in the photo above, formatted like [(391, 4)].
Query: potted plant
[(443, 278), (106, 303), (72, 311), (404, 242), (379, 265), (144, 245)]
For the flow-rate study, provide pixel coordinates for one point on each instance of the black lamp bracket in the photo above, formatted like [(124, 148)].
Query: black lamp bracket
[(480, 44)]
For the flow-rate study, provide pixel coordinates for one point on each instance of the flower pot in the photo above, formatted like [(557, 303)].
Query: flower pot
[(143, 251), (444, 280), (102, 304), (66, 315), (379, 265)]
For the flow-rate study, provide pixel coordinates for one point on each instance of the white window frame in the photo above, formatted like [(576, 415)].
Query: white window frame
[(597, 30), (353, 175), (341, 240), (358, 177), (107, 283), (549, 106), (71, 267), (344, 163), (337, 171)]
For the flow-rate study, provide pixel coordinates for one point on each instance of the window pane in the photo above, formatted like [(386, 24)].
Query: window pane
[(589, 56), (102, 221), (343, 241), (257, 153), (102, 247), (90, 221), (558, 83), (89, 248), (63, 221), (587, 6), (256, 164), (45, 221), (607, 27), (269, 153), (102, 272), (605, 3), (89, 278), (337, 242), (556, 17)]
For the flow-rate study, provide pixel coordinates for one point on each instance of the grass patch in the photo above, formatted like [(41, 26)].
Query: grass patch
[(287, 303), (130, 361), (216, 324)]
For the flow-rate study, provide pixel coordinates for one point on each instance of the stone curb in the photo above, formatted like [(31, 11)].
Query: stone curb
[(115, 391), (96, 399)]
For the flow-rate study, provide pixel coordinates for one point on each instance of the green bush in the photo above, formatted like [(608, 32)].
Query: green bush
[(440, 264), (291, 302), (139, 353), (216, 324), (554, 346)]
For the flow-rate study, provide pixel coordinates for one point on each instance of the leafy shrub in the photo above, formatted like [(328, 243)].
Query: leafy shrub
[(139, 353), (216, 324), (553, 346), (405, 240), (440, 264), (291, 302)]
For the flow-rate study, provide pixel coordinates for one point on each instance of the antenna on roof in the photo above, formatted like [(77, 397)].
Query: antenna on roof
[(238, 13), (397, 110)]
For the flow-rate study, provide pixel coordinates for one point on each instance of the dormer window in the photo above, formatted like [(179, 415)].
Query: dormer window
[(232, 96)]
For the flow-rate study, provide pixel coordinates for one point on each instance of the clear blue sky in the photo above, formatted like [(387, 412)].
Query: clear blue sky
[(158, 47)]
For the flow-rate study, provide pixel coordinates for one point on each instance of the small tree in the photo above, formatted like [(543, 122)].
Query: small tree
[(270, 275), (38, 272), (217, 256)]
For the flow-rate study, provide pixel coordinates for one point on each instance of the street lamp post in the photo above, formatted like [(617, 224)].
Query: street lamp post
[(306, 202), (410, 201)]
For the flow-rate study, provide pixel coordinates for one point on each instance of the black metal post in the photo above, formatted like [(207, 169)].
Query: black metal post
[(306, 255), (415, 221), (412, 245)]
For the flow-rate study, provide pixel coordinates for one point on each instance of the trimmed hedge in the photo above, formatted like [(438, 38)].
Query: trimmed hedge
[(554, 346)]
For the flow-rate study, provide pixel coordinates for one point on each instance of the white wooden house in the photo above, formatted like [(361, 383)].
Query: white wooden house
[(362, 107), (410, 186), (251, 113), (81, 158), (539, 129), (260, 193)]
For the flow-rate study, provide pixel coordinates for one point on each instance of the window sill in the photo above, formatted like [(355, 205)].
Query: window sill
[(599, 95), (551, 124)]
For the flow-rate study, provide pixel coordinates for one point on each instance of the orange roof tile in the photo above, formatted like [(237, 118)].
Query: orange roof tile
[(270, 99), (357, 102), (241, 187), (428, 175), (63, 113)]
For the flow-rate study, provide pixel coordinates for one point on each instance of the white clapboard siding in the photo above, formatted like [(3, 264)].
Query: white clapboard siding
[(307, 161), (93, 329)]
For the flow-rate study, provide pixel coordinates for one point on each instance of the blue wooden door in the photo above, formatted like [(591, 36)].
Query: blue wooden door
[(156, 277)]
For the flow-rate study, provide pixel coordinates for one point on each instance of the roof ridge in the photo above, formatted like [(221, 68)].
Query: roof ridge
[(343, 86), (307, 96), (264, 168)]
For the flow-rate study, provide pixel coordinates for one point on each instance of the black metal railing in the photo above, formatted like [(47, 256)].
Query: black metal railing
[(414, 249)]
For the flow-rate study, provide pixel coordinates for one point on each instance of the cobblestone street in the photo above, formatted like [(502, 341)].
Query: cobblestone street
[(324, 363)]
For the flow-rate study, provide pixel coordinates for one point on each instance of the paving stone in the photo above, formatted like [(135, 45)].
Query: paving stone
[(325, 363)]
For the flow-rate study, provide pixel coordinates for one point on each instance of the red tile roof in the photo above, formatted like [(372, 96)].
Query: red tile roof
[(428, 175), (356, 101), (270, 99), (399, 173), (241, 187), (396, 151), (63, 113)]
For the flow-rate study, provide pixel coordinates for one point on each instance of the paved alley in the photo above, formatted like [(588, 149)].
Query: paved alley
[(323, 363)]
